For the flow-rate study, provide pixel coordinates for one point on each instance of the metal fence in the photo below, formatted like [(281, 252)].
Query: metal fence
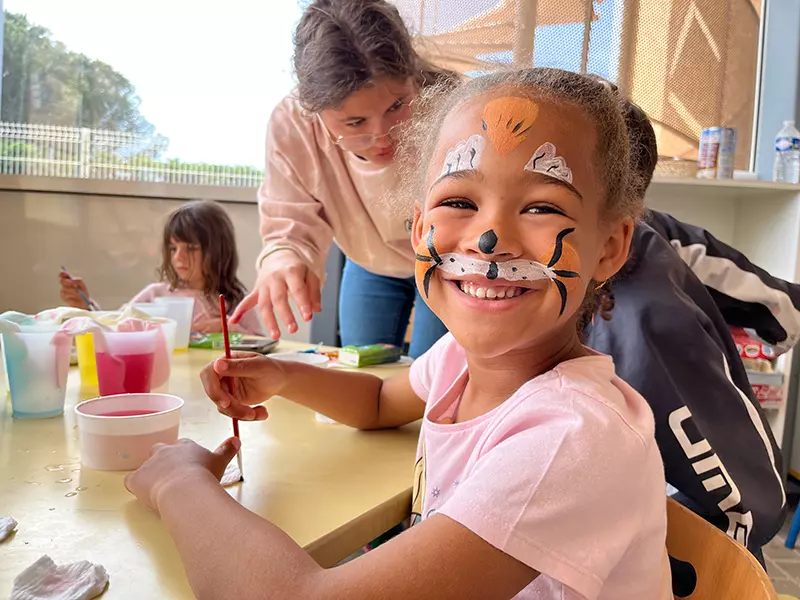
[(54, 151)]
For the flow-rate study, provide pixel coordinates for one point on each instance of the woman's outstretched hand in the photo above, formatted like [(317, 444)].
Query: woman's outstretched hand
[(283, 275)]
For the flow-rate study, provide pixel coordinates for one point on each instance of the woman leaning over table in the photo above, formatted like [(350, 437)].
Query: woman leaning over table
[(330, 148)]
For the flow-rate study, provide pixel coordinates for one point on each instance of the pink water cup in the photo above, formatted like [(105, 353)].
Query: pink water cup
[(116, 433), (125, 365)]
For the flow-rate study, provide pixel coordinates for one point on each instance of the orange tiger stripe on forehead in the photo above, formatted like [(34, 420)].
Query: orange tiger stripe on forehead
[(507, 121)]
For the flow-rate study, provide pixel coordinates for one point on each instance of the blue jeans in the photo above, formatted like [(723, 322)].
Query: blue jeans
[(374, 309)]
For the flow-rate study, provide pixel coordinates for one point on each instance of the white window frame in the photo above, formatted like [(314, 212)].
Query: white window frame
[(778, 80)]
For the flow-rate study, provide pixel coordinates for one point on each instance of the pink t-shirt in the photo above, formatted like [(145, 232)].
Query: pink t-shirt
[(205, 311), (315, 192), (565, 476)]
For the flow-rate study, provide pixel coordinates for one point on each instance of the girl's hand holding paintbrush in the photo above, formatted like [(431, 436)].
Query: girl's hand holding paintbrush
[(255, 379), (348, 397)]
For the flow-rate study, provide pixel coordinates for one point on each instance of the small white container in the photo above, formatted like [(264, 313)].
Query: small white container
[(152, 309), (116, 433), (181, 310), (161, 372), (170, 329)]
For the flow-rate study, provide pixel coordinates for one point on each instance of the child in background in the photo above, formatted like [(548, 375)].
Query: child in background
[(199, 259), (538, 474)]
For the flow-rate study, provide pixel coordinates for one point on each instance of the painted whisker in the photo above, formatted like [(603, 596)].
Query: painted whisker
[(459, 265), (434, 257)]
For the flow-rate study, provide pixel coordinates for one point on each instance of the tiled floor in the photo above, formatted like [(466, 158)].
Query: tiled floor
[(783, 564)]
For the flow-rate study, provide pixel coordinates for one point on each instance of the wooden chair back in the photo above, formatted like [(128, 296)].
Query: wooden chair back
[(725, 569)]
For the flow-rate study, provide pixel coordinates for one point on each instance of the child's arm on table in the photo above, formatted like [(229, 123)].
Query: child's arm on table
[(230, 552), (356, 399)]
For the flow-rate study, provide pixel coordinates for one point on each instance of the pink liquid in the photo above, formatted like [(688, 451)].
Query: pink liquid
[(124, 373), (128, 413)]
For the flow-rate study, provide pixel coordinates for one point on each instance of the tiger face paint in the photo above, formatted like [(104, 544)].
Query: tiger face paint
[(465, 155), (489, 162), (458, 265), (546, 162), (426, 263), (507, 121)]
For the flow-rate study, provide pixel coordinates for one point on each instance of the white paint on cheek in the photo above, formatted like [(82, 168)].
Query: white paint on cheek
[(546, 162), (465, 155)]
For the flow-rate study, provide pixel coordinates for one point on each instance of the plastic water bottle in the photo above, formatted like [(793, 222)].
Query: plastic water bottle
[(787, 154)]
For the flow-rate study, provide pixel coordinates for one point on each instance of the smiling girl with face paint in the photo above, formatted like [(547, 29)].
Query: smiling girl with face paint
[(537, 475)]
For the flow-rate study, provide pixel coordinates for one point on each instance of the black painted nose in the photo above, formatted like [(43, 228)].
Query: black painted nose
[(487, 242)]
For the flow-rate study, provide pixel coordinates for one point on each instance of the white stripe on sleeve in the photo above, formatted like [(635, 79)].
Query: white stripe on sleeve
[(724, 276), (759, 427)]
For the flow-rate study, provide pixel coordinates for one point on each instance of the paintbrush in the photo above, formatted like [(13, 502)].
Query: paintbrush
[(89, 302), (231, 388)]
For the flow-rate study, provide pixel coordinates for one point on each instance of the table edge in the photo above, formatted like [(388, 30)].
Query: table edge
[(338, 544)]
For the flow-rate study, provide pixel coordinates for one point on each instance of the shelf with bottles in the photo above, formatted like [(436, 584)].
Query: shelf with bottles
[(760, 362)]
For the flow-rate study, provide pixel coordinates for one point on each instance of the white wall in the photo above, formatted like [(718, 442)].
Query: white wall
[(113, 242)]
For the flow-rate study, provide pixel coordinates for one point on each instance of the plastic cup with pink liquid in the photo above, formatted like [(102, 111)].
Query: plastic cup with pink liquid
[(180, 310), (116, 433), (37, 365), (125, 364)]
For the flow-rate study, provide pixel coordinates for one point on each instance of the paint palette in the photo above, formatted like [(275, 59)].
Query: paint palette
[(117, 432)]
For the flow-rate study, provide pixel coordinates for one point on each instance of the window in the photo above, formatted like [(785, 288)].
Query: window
[(690, 64), (164, 91), (179, 91)]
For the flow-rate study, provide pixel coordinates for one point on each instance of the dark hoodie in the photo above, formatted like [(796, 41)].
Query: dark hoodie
[(669, 337)]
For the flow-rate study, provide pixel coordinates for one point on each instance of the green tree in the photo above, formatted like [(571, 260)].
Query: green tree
[(45, 82)]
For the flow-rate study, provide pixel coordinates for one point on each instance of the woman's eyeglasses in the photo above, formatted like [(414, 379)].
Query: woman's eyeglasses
[(364, 141), (360, 142)]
